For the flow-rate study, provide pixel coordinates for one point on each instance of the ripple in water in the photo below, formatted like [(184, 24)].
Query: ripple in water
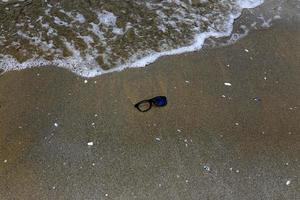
[(92, 37)]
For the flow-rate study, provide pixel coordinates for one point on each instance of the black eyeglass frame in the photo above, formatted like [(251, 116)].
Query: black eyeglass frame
[(151, 101)]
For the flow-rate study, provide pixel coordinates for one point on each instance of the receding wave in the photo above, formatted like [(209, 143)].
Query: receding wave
[(92, 37)]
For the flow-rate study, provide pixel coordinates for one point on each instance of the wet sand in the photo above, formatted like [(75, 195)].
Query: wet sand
[(212, 141)]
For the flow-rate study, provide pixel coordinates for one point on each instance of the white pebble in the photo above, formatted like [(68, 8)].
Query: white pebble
[(288, 182), (158, 139), (90, 143), (5, 161), (246, 50), (85, 81), (207, 168), (227, 84), (106, 195), (56, 124)]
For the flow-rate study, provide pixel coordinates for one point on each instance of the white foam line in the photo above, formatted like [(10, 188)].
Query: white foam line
[(198, 42)]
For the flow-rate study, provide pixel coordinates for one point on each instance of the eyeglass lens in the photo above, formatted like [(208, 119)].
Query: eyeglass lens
[(144, 106)]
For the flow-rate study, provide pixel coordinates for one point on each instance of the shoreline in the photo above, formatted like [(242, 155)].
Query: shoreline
[(197, 45), (240, 29)]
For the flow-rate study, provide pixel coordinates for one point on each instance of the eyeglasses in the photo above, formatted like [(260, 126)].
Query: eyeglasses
[(146, 105)]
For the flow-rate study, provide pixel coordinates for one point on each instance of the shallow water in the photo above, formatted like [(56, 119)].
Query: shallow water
[(92, 37)]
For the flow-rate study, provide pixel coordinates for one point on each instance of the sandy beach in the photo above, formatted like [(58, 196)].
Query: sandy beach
[(66, 137)]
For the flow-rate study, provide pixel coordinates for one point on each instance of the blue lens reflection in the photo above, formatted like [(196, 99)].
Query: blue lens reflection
[(160, 101)]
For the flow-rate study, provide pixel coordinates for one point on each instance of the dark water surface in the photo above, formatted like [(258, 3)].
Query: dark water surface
[(89, 36)]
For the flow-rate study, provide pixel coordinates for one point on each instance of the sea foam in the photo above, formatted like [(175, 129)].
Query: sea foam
[(105, 33)]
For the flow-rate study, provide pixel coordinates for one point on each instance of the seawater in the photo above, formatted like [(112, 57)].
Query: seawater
[(93, 37)]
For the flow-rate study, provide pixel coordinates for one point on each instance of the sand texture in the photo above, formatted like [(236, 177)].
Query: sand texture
[(212, 141)]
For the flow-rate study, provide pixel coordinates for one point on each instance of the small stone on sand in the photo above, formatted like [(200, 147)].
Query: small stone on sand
[(206, 168)]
